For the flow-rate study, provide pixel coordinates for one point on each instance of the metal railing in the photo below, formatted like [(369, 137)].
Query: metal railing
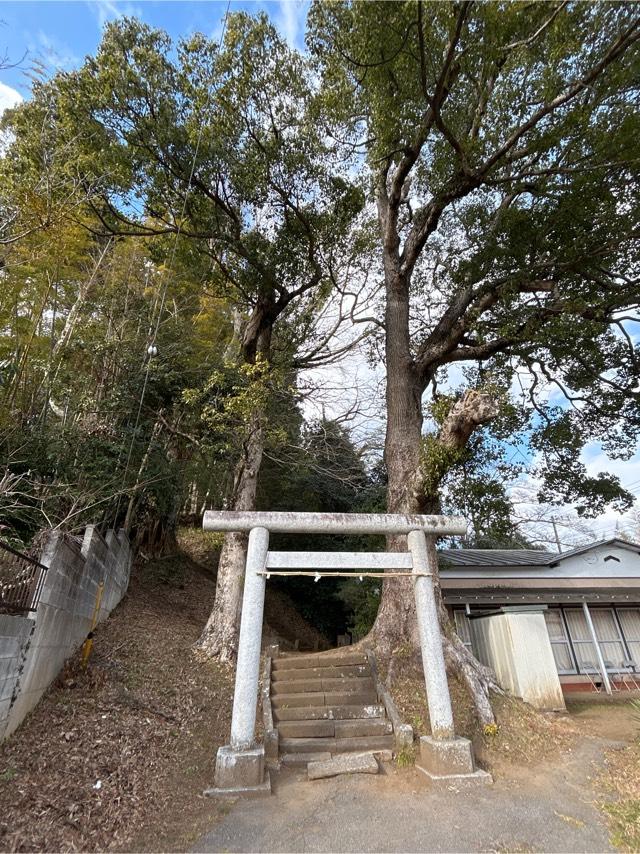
[(21, 580)]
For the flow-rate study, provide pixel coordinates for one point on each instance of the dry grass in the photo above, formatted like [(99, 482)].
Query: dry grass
[(523, 734), (117, 757), (619, 784)]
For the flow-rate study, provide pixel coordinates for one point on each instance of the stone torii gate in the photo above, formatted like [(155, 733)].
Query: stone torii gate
[(240, 765)]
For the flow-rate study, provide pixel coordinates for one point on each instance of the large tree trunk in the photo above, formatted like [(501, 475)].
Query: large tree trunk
[(409, 491), (220, 635), (396, 620), (219, 638)]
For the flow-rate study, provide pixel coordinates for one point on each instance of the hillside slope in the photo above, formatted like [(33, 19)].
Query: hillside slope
[(117, 757)]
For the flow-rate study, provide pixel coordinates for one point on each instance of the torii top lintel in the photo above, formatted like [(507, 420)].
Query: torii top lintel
[(333, 523)]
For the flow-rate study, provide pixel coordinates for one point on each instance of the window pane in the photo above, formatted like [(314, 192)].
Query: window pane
[(634, 649), (630, 622), (613, 654), (578, 628), (553, 619), (462, 627), (559, 643), (586, 656), (604, 624), (608, 635), (562, 656)]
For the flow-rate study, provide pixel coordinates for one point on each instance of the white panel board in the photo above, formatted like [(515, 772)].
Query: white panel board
[(339, 560)]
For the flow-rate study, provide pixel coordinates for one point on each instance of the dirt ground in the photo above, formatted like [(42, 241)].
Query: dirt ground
[(523, 734), (117, 757), (548, 803), (617, 782)]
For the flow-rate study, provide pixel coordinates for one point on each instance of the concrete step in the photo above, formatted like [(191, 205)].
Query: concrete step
[(316, 686), (353, 671), (363, 683), (333, 729), (350, 698), (336, 745), (296, 700), (330, 698), (295, 662), (349, 712), (307, 729), (302, 758), (297, 686), (354, 729), (345, 763), (383, 754)]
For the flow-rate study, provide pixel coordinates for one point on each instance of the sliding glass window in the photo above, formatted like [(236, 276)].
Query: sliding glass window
[(629, 619), (559, 641)]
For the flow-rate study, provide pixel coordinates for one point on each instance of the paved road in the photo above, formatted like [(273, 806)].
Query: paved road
[(547, 808)]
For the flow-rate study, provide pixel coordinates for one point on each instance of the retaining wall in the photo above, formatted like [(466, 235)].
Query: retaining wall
[(34, 648)]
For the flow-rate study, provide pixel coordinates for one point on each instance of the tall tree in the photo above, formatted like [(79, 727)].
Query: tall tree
[(500, 140), (219, 145)]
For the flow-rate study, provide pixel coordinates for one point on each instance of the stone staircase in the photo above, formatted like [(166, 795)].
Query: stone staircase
[(327, 704)]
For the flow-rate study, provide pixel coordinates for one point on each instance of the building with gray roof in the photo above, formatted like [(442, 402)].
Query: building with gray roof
[(590, 597)]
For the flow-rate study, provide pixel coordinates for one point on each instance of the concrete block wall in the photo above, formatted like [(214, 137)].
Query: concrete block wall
[(15, 636), (33, 649)]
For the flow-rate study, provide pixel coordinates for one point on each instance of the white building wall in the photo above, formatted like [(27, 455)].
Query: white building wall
[(515, 644)]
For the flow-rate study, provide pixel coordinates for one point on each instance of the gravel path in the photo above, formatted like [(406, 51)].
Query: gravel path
[(549, 807)]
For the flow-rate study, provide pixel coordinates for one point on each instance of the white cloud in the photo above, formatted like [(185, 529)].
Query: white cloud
[(628, 471), (290, 19), (573, 529), (109, 10), (351, 391), (8, 97), (50, 53), (540, 523)]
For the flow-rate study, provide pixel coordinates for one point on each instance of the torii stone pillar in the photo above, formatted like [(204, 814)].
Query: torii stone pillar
[(444, 757), (240, 765)]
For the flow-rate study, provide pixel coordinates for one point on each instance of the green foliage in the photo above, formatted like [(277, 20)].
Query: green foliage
[(8, 774), (436, 460), (127, 209), (406, 757), (73, 433), (476, 489), (225, 233), (362, 600), (268, 205), (320, 469), (625, 821)]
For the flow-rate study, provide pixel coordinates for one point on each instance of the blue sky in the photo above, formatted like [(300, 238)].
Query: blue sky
[(60, 33)]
